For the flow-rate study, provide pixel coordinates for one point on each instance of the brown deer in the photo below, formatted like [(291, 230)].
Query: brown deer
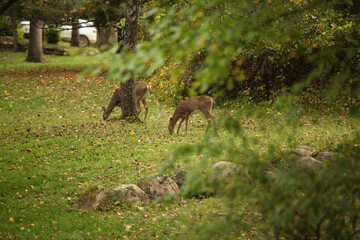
[(189, 106), (142, 91)]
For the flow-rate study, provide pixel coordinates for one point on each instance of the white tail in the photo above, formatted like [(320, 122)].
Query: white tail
[(186, 107), (142, 91)]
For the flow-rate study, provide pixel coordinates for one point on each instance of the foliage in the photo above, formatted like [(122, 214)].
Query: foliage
[(258, 49), (5, 26), (52, 35), (322, 204), (291, 202)]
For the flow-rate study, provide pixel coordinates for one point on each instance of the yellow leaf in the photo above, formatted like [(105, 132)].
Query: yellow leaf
[(127, 227), (11, 219)]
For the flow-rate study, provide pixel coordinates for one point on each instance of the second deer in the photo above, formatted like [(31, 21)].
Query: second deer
[(142, 91), (189, 106)]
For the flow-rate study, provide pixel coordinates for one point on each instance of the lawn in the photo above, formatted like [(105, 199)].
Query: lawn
[(55, 145)]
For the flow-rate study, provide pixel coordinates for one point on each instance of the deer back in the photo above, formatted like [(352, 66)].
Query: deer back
[(194, 104)]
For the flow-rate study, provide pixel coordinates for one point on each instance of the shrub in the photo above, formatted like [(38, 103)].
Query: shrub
[(5, 26), (52, 35)]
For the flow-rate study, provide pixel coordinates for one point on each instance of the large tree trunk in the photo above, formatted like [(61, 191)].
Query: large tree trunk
[(15, 36), (75, 37), (131, 31), (35, 52)]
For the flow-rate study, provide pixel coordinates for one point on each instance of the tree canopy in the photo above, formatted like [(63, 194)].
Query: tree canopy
[(254, 47)]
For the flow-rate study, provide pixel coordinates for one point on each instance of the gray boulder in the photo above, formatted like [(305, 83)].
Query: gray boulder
[(157, 186), (180, 177), (326, 156), (304, 150), (310, 163), (130, 193), (223, 170), (96, 198)]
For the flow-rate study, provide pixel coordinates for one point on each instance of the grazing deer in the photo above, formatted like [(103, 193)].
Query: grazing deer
[(142, 91), (189, 106)]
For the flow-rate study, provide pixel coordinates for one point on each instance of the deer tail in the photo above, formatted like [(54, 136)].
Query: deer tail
[(149, 90)]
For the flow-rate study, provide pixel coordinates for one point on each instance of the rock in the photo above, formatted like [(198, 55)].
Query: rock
[(271, 175), (304, 150), (130, 193), (180, 177), (96, 198), (309, 162), (326, 156), (294, 157), (223, 170), (157, 186)]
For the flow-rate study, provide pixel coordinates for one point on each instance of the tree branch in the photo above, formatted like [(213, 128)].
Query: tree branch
[(7, 5)]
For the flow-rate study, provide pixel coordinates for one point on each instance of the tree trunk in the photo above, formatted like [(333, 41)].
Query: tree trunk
[(105, 35), (15, 36), (35, 52), (131, 31), (188, 77), (75, 37)]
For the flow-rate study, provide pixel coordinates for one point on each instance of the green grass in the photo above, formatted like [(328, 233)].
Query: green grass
[(54, 146)]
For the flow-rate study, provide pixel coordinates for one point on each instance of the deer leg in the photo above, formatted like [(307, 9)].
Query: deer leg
[(213, 119), (138, 107), (210, 117), (182, 120), (186, 124), (146, 108)]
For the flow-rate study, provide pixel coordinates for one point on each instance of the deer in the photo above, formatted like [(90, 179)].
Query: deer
[(142, 91), (190, 106)]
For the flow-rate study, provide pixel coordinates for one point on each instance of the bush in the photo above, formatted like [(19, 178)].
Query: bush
[(291, 202), (5, 26), (52, 35)]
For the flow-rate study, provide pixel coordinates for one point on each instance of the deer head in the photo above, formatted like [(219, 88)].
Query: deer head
[(141, 90)]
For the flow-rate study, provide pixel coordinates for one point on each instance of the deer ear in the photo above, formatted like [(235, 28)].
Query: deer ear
[(171, 120), (103, 108)]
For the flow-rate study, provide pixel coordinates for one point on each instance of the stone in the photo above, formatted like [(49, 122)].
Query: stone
[(96, 198), (180, 177), (326, 156), (310, 163), (157, 186), (294, 157), (223, 170), (130, 193), (304, 150)]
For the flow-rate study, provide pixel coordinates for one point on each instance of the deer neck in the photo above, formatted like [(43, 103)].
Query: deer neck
[(112, 104)]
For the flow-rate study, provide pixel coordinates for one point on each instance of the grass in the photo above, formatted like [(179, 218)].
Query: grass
[(54, 146)]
